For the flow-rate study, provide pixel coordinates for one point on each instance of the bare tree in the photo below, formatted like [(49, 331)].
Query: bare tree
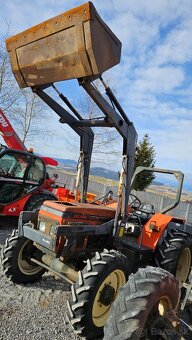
[(9, 90), (29, 115), (107, 140), (22, 107)]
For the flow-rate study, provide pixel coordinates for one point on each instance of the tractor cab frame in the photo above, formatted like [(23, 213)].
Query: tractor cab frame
[(20, 174)]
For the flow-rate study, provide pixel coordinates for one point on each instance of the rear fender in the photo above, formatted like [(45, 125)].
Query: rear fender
[(153, 230), (180, 226)]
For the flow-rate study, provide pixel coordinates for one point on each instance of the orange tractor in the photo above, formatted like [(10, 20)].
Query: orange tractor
[(95, 247)]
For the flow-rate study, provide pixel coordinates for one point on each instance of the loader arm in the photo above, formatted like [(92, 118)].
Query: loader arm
[(9, 135), (126, 129), (85, 133)]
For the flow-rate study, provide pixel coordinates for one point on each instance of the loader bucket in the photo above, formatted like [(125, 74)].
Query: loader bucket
[(74, 44)]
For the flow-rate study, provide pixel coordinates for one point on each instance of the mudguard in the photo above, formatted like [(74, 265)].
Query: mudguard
[(153, 230)]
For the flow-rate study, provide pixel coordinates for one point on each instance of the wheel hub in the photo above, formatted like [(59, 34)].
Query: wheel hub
[(184, 265), (107, 295), (25, 265)]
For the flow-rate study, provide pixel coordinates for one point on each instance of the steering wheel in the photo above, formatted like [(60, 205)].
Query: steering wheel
[(135, 201), (102, 200)]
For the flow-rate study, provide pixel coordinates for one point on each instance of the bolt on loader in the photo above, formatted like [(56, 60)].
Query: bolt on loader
[(95, 247)]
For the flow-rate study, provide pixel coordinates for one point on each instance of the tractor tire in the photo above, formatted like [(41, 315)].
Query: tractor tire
[(138, 312), (174, 254), (15, 260), (35, 201), (93, 293)]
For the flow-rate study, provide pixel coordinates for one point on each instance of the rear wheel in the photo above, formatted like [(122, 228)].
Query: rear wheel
[(141, 306), (35, 201), (94, 292), (16, 262), (174, 254)]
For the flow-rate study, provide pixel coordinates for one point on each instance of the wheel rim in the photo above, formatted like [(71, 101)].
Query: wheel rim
[(110, 287), (164, 305), (155, 318), (184, 266), (24, 264)]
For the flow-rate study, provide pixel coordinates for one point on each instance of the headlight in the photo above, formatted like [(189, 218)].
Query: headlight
[(52, 230), (42, 226)]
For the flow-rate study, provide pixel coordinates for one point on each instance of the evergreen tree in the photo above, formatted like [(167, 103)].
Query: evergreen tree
[(144, 156)]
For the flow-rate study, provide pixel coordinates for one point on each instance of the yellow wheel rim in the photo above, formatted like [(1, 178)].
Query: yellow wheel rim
[(112, 283), (24, 266), (164, 305), (184, 266)]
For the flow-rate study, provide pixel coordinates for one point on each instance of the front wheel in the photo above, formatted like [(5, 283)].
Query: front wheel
[(94, 292), (139, 311), (15, 258)]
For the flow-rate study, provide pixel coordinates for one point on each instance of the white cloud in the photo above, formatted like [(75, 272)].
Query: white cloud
[(176, 49), (136, 34), (158, 79), (24, 14)]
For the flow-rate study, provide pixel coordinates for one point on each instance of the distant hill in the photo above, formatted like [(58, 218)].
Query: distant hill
[(66, 161), (157, 183), (70, 165), (102, 172)]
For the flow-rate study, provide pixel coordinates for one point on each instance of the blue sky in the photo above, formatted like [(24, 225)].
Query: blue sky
[(154, 79)]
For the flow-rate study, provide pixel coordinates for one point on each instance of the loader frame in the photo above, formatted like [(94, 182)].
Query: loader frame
[(113, 229), (114, 117)]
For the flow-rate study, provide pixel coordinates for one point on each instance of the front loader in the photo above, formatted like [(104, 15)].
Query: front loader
[(93, 246)]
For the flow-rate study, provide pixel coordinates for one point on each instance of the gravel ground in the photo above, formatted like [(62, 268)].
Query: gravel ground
[(33, 311), (36, 311)]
